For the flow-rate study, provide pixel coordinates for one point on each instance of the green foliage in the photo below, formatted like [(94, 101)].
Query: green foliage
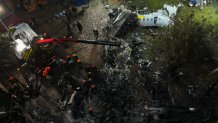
[(151, 4), (210, 13), (187, 42)]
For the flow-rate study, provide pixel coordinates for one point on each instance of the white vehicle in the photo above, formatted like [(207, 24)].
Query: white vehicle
[(23, 37), (153, 19), (161, 18)]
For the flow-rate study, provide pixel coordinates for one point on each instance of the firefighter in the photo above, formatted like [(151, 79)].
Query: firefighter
[(75, 57), (47, 72), (69, 14), (70, 60), (79, 63)]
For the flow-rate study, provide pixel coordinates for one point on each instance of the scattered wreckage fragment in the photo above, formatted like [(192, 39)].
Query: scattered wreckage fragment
[(161, 18)]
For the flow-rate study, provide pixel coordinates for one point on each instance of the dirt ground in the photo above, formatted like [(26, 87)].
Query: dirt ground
[(95, 16)]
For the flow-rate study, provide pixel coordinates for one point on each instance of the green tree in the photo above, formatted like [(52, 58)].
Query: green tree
[(187, 42)]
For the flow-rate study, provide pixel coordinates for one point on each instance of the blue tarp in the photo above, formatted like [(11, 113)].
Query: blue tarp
[(80, 2), (194, 1)]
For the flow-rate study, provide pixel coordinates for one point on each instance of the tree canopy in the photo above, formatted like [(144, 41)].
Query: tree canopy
[(188, 42)]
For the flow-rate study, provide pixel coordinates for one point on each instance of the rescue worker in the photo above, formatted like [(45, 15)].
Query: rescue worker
[(46, 72), (96, 33), (69, 14), (79, 63), (75, 57), (69, 62), (72, 59)]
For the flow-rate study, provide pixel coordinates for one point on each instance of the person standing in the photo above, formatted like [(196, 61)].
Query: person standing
[(79, 27), (96, 33), (69, 14)]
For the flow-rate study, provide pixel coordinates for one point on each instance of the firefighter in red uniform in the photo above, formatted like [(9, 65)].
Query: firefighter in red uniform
[(46, 72), (73, 60)]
